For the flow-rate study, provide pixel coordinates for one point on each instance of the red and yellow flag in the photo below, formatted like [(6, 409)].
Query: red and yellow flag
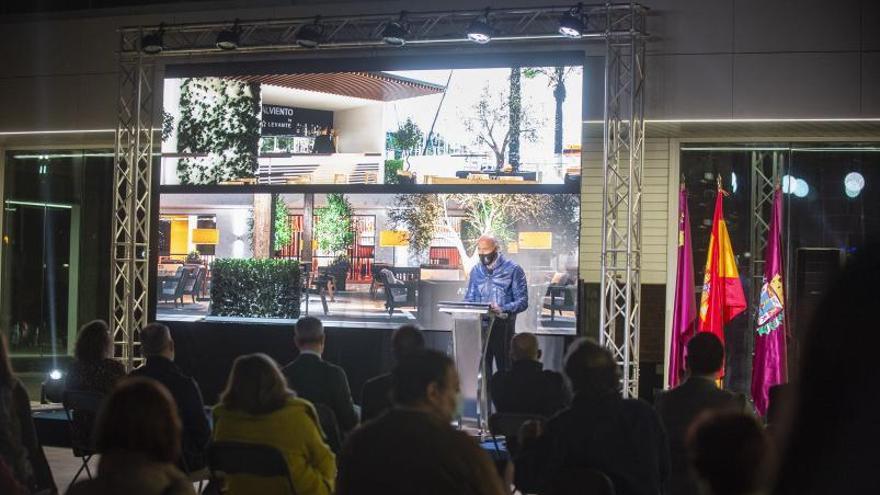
[(722, 298)]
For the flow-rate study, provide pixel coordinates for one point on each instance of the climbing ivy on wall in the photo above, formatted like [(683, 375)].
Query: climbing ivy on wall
[(221, 118)]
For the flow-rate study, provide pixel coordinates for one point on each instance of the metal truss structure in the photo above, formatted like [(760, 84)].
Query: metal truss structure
[(621, 26), (132, 173), (365, 31), (624, 149), (766, 173)]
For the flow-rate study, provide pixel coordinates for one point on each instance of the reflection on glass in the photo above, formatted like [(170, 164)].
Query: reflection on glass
[(55, 225)]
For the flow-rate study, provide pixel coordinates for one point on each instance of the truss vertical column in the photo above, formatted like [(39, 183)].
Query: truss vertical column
[(131, 207), (766, 170), (621, 247)]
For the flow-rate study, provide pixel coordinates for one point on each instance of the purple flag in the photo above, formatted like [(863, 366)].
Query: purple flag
[(684, 317), (769, 365)]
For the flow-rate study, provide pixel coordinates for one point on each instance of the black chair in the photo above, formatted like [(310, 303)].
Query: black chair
[(377, 281), (396, 293), (577, 481), (193, 286), (560, 298), (81, 408), (507, 425), (248, 458), (172, 287), (330, 426)]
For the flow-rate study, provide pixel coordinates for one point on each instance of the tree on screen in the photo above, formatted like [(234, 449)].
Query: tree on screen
[(556, 77), (489, 123), (333, 224), (434, 217)]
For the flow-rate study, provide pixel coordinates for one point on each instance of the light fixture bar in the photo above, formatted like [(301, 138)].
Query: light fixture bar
[(41, 205), (614, 21)]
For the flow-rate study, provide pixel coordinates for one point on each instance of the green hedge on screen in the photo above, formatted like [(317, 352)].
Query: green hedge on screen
[(258, 288)]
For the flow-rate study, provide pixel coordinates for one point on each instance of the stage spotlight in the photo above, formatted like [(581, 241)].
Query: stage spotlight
[(53, 387), (228, 38), (309, 36), (853, 184), (801, 188), (572, 24), (396, 32), (788, 183), (480, 31), (151, 44)]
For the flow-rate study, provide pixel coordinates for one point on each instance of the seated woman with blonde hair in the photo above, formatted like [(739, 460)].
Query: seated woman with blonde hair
[(258, 408)]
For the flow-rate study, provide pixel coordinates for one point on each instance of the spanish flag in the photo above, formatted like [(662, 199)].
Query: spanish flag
[(722, 298)]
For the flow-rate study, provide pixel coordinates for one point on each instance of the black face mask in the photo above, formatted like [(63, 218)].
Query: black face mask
[(488, 259)]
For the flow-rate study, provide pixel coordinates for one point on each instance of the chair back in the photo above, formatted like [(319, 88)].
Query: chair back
[(330, 426), (81, 408), (248, 458), (508, 425), (577, 481)]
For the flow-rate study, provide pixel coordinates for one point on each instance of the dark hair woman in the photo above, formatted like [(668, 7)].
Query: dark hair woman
[(138, 437), (94, 370), (258, 408), (20, 450)]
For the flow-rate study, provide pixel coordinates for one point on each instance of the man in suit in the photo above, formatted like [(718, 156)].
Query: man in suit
[(679, 407), (622, 438), (413, 448), (316, 380), (376, 394), (158, 347), (527, 388)]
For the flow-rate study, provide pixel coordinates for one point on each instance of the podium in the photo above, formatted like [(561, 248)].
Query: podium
[(469, 343)]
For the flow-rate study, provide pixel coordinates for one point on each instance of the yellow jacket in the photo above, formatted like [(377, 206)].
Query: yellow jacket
[(293, 430)]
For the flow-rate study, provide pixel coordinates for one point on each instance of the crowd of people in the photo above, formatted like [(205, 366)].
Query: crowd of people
[(154, 435)]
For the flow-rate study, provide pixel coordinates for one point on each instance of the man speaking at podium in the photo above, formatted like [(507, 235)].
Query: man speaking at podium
[(501, 283)]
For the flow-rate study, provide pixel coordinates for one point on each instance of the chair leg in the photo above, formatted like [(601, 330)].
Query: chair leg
[(85, 465)]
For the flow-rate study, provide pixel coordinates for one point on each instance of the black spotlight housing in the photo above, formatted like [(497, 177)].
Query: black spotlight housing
[(480, 30), (228, 39), (396, 32), (572, 24), (310, 35), (151, 44)]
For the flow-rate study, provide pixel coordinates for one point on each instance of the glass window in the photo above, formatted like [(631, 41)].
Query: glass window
[(56, 235), (829, 212)]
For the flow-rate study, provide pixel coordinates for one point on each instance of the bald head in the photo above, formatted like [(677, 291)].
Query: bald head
[(486, 244), (156, 341), (524, 347)]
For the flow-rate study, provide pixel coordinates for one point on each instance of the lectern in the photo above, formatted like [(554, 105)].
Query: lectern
[(469, 342)]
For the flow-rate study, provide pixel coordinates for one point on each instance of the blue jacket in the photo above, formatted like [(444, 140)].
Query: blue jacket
[(505, 285)]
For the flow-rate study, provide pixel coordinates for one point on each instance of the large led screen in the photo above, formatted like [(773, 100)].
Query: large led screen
[(358, 197)]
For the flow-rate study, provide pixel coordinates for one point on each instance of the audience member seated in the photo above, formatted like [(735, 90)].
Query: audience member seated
[(679, 407), (94, 370), (413, 448), (138, 437), (730, 453), (376, 394), (316, 380), (158, 348), (622, 438), (526, 388), (21, 454), (258, 408), (832, 442)]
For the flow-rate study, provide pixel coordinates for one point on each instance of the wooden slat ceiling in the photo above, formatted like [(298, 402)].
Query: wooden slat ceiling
[(367, 85)]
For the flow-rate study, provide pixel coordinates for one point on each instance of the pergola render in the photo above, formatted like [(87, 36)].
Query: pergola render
[(619, 26)]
